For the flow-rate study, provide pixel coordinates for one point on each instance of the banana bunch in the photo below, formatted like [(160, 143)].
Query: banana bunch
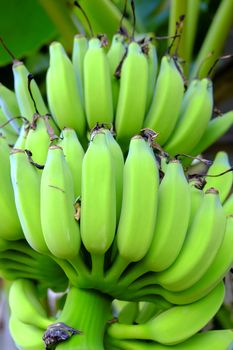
[(170, 326)]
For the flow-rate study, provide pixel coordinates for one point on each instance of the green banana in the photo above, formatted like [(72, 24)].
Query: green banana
[(25, 306), (98, 200), (62, 91), (118, 164), (97, 85), (25, 336), (59, 226), (74, 153), (25, 102), (21, 140), (196, 200), (6, 128), (209, 340), (147, 311), (224, 182), (9, 105), (196, 111), (215, 129), (28, 209), (10, 228), (131, 105), (38, 140), (200, 247), (152, 58), (175, 324), (140, 193), (228, 205), (166, 102), (80, 47), (128, 313), (115, 55), (174, 204)]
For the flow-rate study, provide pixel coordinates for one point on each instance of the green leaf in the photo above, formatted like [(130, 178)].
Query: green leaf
[(24, 27)]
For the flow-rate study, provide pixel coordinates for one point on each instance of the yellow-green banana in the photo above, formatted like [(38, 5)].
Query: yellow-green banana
[(59, 226), (25, 102), (166, 102), (97, 85), (222, 183), (202, 242), (98, 199), (62, 91), (9, 105), (131, 103), (196, 111), (175, 324), (228, 205), (24, 187), (115, 55), (80, 47), (74, 153), (151, 53)]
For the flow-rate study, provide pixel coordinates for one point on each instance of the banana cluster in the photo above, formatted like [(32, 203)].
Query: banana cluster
[(123, 85)]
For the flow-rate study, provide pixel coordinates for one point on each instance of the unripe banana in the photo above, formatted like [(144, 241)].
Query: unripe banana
[(97, 85), (174, 204), (25, 102), (140, 193), (74, 153), (25, 336), (98, 198), (115, 55), (6, 128), (203, 240), (152, 58), (131, 103), (215, 129), (62, 91), (38, 140), (21, 140), (196, 200), (10, 228), (228, 205), (80, 47), (196, 111), (25, 305), (213, 339), (224, 182), (9, 105), (60, 229), (128, 313), (166, 102), (24, 187), (175, 324), (118, 164)]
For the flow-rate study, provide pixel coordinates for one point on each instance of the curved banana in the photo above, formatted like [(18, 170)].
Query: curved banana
[(215, 129), (28, 209), (25, 306), (74, 153), (38, 140), (196, 111), (25, 102), (9, 105), (98, 199), (128, 313), (26, 336), (10, 228), (196, 200), (59, 226), (62, 91), (152, 59), (175, 324), (97, 85), (166, 102), (6, 128), (174, 204), (80, 47), (140, 194), (228, 205), (209, 340), (118, 163), (115, 55), (203, 240), (224, 182), (131, 105)]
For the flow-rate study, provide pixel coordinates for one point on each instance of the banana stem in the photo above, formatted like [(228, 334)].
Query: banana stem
[(115, 271), (68, 270), (133, 274), (88, 311), (214, 40), (97, 269)]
